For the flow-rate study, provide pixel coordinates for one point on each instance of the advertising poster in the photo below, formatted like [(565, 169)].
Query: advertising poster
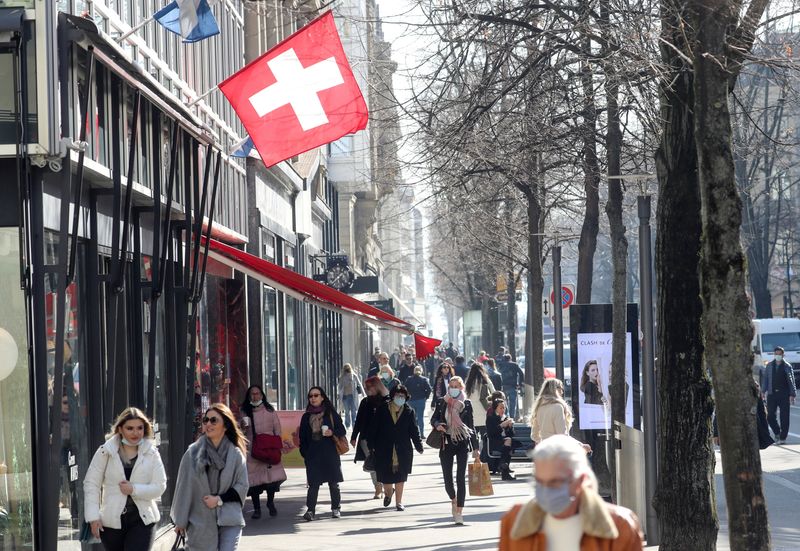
[(290, 424), (594, 381)]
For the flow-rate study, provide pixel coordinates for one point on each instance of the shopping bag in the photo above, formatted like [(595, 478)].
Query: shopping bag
[(480, 482)]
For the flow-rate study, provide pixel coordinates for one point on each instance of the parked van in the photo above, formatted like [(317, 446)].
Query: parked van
[(769, 333)]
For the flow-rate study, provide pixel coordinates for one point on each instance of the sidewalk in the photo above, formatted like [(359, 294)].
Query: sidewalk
[(426, 524)]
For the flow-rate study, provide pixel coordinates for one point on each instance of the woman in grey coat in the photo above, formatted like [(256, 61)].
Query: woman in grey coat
[(212, 484)]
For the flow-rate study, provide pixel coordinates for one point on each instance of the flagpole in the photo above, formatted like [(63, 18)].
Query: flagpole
[(135, 28), (201, 97)]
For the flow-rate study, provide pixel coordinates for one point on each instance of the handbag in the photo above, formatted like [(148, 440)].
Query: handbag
[(342, 445), (180, 543), (434, 439), (267, 448), (369, 463), (480, 481)]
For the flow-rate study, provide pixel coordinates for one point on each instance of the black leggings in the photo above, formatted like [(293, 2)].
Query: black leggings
[(133, 536), (446, 455), (255, 495)]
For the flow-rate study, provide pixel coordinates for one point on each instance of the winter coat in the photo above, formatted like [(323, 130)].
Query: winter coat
[(363, 425), (480, 401), (188, 510), (418, 387), (512, 374), (259, 473), (351, 381), (496, 378), (387, 435), (606, 527), (466, 418), (788, 383), (321, 458), (462, 370), (496, 433), (405, 371), (103, 499), (550, 419)]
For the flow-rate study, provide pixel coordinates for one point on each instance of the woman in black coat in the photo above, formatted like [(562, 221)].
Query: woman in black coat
[(377, 396), (394, 430), (453, 419), (319, 424), (500, 433)]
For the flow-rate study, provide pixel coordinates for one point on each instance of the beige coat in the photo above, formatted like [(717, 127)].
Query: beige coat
[(258, 472), (549, 420), (605, 527)]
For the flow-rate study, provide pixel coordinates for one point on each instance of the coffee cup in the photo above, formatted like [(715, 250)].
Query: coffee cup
[(324, 429)]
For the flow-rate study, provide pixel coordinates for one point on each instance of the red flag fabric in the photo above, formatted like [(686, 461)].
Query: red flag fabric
[(425, 346), (299, 95)]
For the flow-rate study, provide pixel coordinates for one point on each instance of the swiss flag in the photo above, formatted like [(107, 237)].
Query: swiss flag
[(299, 95)]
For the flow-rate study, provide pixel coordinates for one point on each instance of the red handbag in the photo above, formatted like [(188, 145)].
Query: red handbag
[(267, 448)]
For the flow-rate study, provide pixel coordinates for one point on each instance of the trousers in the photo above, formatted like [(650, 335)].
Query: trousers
[(419, 409), (313, 494), (134, 535), (461, 453), (776, 400)]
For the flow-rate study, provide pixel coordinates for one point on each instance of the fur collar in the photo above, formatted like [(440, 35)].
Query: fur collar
[(595, 517)]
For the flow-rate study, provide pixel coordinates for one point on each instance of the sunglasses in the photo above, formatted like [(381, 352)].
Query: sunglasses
[(317, 395), (212, 420)]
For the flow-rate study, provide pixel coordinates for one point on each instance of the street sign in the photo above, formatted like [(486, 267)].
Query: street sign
[(567, 296)]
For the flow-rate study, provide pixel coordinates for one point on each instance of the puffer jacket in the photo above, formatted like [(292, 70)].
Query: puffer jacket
[(103, 499)]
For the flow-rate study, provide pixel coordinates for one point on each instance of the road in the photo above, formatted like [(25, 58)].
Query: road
[(426, 524)]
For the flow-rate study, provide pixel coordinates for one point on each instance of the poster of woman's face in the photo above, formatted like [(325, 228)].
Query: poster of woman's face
[(594, 400)]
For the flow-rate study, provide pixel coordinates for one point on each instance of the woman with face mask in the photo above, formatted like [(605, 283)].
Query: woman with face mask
[(377, 396), (453, 418), (393, 433), (123, 482), (259, 417), (386, 374)]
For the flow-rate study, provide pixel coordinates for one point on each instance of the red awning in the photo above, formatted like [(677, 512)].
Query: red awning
[(303, 288)]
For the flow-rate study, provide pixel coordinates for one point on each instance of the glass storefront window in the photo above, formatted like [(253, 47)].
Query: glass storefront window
[(294, 401), (16, 467), (270, 345)]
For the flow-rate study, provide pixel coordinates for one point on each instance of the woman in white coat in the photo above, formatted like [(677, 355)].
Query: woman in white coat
[(123, 482)]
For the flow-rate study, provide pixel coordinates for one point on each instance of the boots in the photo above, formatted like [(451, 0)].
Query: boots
[(256, 506), (505, 464), (271, 504)]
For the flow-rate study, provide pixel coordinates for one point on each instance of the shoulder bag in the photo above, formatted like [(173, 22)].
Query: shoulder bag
[(266, 447)]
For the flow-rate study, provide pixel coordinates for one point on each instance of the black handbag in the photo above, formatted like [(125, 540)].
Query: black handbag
[(435, 439), (180, 543)]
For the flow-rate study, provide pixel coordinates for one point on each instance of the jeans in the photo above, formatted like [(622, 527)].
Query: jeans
[(313, 493), (350, 409), (133, 536), (228, 537), (511, 400), (446, 455), (419, 409), (777, 400)]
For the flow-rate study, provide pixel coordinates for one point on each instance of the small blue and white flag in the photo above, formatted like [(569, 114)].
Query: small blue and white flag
[(244, 148), (192, 19)]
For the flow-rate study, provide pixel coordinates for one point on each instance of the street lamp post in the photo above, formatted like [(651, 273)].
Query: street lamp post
[(558, 312)]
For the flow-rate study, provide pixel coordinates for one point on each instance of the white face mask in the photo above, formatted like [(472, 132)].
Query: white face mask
[(385, 376), (127, 443), (256, 404), (454, 392), (778, 358)]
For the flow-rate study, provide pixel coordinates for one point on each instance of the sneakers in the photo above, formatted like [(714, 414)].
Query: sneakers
[(400, 507), (336, 513), (309, 516), (459, 518)]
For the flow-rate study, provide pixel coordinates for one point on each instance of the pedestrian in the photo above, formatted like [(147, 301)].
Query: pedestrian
[(461, 368), (453, 418), (567, 512), (419, 389), (375, 361), (591, 384), (479, 390), (260, 417), (319, 426), (349, 389), (406, 368), (500, 432), (494, 375), (551, 414), (388, 378), (779, 390), (212, 485), (124, 479), (513, 379), (451, 351), (442, 382), (377, 395), (394, 431)]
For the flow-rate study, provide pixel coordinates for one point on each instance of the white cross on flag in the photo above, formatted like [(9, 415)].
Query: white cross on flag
[(299, 95)]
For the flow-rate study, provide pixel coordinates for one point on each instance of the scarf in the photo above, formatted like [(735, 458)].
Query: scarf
[(395, 411), (456, 428), (315, 420), (217, 458)]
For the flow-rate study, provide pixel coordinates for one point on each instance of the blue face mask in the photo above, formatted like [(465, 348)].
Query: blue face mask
[(554, 500), (399, 401), (127, 443), (385, 376), (454, 392)]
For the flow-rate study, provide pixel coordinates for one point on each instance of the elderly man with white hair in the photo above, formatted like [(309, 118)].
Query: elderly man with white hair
[(567, 513)]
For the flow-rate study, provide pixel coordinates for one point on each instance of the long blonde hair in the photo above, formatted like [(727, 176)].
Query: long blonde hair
[(130, 414), (549, 394)]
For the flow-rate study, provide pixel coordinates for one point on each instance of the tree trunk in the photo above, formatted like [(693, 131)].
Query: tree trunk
[(685, 406), (726, 323), (587, 245), (762, 297), (534, 370)]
